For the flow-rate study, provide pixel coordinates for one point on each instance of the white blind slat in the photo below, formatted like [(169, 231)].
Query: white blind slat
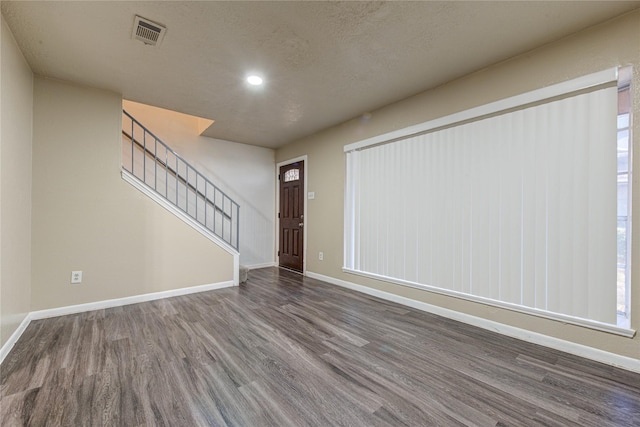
[(518, 207)]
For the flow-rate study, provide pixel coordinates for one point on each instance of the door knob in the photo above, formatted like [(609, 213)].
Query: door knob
[(301, 224)]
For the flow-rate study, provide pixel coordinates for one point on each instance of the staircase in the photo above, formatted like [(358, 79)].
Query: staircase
[(148, 161)]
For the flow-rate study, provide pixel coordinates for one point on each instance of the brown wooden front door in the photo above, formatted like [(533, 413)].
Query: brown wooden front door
[(291, 215)]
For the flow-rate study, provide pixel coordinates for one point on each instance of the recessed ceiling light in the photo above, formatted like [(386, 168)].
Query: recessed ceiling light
[(254, 80)]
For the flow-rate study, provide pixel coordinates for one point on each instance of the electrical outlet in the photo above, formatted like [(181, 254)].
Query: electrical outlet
[(320, 256), (76, 277)]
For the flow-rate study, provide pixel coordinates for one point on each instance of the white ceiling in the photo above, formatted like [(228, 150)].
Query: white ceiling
[(323, 62)]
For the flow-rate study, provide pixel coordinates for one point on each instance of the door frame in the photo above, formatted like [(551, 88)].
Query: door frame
[(306, 217)]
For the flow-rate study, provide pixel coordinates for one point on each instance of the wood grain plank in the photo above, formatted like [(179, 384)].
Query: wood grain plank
[(286, 350)]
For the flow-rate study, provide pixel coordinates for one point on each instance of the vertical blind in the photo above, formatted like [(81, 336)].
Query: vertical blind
[(519, 208)]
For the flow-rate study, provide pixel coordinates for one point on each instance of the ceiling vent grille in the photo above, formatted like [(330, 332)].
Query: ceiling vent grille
[(147, 31)]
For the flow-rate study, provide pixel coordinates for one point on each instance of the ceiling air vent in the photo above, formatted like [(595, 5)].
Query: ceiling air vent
[(147, 31)]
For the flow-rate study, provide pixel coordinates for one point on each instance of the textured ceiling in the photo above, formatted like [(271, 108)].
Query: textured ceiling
[(323, 62)]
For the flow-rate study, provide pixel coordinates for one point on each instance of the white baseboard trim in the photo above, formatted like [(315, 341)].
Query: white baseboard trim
[(564, 318), (263, 265), (118, 302), (587, 352), (99, 305), (6, 348)]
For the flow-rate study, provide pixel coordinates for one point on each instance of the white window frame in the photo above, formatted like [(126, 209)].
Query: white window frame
[(624, 317), (575, 85)]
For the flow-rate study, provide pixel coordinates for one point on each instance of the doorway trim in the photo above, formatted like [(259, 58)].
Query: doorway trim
[(305, 159)]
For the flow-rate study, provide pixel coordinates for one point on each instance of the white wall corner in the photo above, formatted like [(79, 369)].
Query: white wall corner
[(236, 269)]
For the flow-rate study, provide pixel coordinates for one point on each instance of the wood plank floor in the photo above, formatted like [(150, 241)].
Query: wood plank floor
[(283, 350)]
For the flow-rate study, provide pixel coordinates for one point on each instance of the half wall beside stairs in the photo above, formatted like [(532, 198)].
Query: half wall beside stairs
[(159, 169)]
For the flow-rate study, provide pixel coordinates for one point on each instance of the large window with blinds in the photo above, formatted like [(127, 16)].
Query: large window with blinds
[(512, 204)]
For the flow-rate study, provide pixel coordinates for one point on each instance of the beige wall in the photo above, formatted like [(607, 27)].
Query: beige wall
[(85, 217), (15, 185), (611, 44)]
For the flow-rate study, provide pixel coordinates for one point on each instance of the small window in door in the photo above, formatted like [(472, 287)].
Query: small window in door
[(292, 175)]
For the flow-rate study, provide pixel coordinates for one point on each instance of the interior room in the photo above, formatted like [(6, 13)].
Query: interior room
[(319, 213)]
